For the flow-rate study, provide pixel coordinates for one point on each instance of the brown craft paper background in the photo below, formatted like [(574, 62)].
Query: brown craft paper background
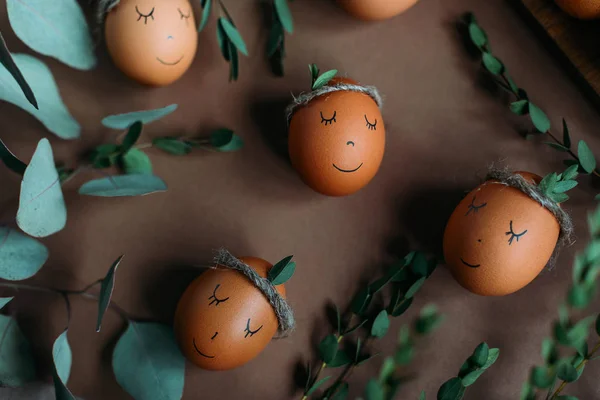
[(444, 127)]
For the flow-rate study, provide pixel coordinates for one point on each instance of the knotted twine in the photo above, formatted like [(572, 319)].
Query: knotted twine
[(508, 178), (305, 97), (283, 311)]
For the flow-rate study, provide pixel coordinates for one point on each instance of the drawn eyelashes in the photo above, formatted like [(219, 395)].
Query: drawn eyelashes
[(372, 127), (514, 235), (475, 208), (249, 331), (330, 120), (183, 15), (145, 16), (214, 299)]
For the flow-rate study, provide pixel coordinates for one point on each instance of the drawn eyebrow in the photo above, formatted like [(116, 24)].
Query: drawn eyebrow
[(214, 299), (473, 207), (514, 235)]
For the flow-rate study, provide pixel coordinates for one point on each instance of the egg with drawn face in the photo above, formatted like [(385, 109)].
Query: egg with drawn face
[(152, 41), (376, 10), (336, 141), (498, 239), (222, 320)]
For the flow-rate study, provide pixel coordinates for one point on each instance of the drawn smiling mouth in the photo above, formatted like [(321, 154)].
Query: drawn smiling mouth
[(198, 351), (348, 170), (169, 63), (470, 265)]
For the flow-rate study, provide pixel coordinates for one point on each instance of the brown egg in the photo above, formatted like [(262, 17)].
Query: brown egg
[(222, 320), (336, 142), (498, 239), (152, 41), (375, 10), (582, 9)]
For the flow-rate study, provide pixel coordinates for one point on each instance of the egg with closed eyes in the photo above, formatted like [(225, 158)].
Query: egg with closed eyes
[(152, 41), (223, 320), (498, 239), (376, 10)]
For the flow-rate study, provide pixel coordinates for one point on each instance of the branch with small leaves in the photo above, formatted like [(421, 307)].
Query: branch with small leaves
[(523, 106), (405, 277)]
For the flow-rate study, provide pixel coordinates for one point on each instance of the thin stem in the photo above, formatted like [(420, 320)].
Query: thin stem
[(578, 367), (143, 146)]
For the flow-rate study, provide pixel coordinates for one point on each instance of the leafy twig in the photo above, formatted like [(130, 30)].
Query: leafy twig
[(578, 368)]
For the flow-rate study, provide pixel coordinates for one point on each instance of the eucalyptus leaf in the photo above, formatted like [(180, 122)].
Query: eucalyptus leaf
[(405, 354), (567, 372), (133, 134), (106, 291), (234, 68), (415, 287), (519, 107), (341, 358), (541, 377), (123, 185), (52, 112), (324, 79), (4, 301), (365, 358), (57, 29), (566, 397), (21, 257), (422, 396), (234, 35), (452, 389), (557, 146), (492, 64), (328, 348), (275, 38), (136, 161), (360, 301), (10, 160), (342, 392), (571, 172), (549, 351), (314, 72), (471, 377), (172, 145), (419, 264), (539, 118), (7, 61), (477, 35), (578, 297), (17, 365), (42, 211), (285, 275), (480, 354), (223, 41), (316, 385), (225, 140), (493, 355), (124, 121), (566, 134), (206, 9), (579, 332), (284, 14), (61, 392), (387, 370), (147, 362), (374, 390), (402, 307), (63, 358), (586, 157), (380, 325)]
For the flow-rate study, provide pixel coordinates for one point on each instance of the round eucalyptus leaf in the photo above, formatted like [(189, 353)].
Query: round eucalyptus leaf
[(492, 64), (452, 389), (54, 28), (374, 391), (42, 210), (135, 161), (17, 365), (541, 377), (63, 358), (123, 185), (328, 348), (380, 325), (52, 112), (567, 372), (21, 256), (147, 362), (480, 354), (124, 121), (586, 157), (539, 118)]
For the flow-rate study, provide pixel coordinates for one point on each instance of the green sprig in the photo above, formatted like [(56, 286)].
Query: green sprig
[(281, 22)]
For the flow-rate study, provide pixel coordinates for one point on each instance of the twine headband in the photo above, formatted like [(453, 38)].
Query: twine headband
[(505, 177), (283, 311), (305, 97)]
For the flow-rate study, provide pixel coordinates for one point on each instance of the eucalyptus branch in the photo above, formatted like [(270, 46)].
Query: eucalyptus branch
[(578, 368), (523, 106)]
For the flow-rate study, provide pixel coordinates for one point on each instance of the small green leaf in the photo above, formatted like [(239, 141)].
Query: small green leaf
[(17, 365), (580, 331), (402, 307), (374, 391), (452, 389), (223, 41), (123, 185), (566, 135), (276, 37), (557, 146), (10, 160), (133, 134), (225, 140), (387, 370), (571, 172), (519, 107), (284, 14), (317, 385), (324, 78), (342, 392), (549, 352), (7, 61), (493, 355), (539, 118), (328, 348), (567, 372), (360, 301), (21, 256), (234, 35), (415, 288), (586, 157), (471, 377), (4, 301), (419, 264), (404, 354), (564, 186), (105, 155), (106, 291), (422, 395), (206, 9), (355, 327), (234, 67), (172, 145), (380, 325), (548, 183), (42, 210), (63, 358), (541, 377), (124, 121), (314, 72), (578, 297), (527, 392), (477, 35), (282, 271), (480, 354), (559, 197), (341, 358), (136, 161), (492, 64)]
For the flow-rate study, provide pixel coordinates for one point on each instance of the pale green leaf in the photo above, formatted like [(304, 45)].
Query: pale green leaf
[(415, 288), (324, 78), (172, 145), (21, 257), (136, 161), (124, 121), (284, 14), (564, 186), (205, 14), (52, 113), (234, 36), (106, 291), (477, 35), (57, 29), (17, 365), (4, 301), (123, 185), (147, 362), (571, 172), (374, 391), (492, 64), (422, 396), (539, 118), (9, 63), (586, 157), (387, 369), (380, 325), (471, 377), (63, 358), (42, 210)]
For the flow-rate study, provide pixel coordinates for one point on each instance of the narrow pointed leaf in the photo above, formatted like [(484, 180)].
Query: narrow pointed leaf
[(10, 160), (172, 145), (17, 365), (415, 288), (4, 301), (557, 146), (317, 385), (10, 65), (278, 269), (21, 256), (42, 211), (124, 121), (106, 291), (234, 36), (324, 78), (205, 15), (480, 354), (123, 185), (285, 15), (275, 38), (566, 134), (63, 358), (133, 134)]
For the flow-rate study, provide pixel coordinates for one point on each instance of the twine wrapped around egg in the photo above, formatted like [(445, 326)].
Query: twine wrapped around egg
[(283, 311), (305, 97), (506, 177)]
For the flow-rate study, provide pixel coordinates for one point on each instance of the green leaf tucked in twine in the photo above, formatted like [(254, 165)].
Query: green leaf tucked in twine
[(282, 271)]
